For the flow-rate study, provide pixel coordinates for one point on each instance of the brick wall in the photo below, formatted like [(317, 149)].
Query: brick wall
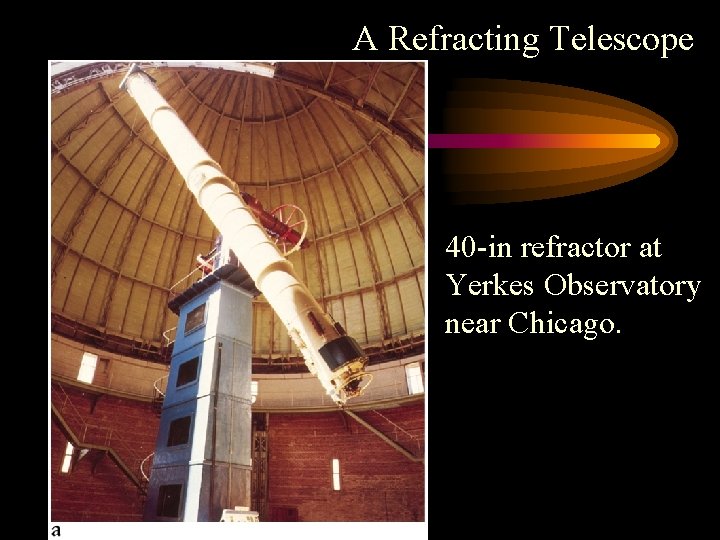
[(378, 483), (104, 494), (83, 495)]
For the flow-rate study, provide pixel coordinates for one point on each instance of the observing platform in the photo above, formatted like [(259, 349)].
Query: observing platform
[(229, 269)]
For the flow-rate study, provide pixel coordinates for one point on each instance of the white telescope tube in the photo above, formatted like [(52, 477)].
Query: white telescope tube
[(336, 358)]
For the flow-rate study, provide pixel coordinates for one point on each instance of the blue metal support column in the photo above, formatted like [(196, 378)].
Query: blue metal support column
[(202, 461)]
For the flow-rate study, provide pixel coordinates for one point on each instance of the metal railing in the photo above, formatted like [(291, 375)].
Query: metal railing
[(198, 273), (144, 465), (169, 336), (195, 275), (399, 434), (90, 433), (283, 399), (160, 386)]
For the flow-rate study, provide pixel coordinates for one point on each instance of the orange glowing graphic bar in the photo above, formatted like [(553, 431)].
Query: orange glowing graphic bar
[(543, 140)]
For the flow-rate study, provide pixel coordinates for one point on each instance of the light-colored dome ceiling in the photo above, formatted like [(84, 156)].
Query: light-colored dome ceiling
[(342, 141)]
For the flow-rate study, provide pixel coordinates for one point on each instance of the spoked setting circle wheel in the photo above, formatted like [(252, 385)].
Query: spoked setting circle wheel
[(294, 219)]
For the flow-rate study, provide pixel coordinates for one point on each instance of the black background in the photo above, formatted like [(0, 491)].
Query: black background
[(524, 429), (556, 426)]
